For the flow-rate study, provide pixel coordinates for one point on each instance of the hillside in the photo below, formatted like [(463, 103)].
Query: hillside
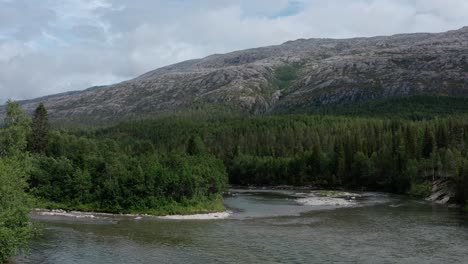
[(301, 74)]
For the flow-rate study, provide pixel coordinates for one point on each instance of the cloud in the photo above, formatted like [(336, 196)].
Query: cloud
[(54, 46)]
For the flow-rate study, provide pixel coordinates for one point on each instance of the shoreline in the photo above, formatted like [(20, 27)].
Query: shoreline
[(209, 215), (310, 197)]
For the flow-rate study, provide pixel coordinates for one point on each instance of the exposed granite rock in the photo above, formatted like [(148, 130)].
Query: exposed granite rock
[(328, 71), (442, 192)]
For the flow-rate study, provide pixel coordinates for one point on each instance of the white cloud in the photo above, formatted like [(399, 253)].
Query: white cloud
[(53, 46)]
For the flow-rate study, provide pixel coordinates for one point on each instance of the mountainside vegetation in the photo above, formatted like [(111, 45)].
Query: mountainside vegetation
[(407, 107)]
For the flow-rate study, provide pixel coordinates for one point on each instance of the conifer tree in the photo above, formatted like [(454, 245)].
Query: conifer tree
[(442, 136), (428, 143), (40, 130), (195, 146)]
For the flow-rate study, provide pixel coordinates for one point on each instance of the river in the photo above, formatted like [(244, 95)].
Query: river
[(266, 226)]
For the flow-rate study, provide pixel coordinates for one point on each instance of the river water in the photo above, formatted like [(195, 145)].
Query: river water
[(265, 227)]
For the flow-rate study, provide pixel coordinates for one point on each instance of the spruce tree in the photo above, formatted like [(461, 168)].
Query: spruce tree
[(195, 146), (40, 130), (442, 136), (428, 143)]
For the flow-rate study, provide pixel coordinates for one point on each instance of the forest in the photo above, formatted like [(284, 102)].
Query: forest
[(182, 164), (45, 168), (394, 155)]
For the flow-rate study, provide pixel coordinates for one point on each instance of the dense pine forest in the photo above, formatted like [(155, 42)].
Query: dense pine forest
[(395, 155), (183, 163)]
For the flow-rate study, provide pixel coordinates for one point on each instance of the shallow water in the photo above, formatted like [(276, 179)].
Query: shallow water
[(265, 227)]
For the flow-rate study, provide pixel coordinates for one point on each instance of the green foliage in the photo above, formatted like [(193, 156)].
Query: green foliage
[(428, 143), (13, 137), (15, 228), (421, 189), (40, 130), (15, 115), (410, 107), (375, 153), (181, 163), (285, 75), (123, 176), (196, 146), (462, 184)]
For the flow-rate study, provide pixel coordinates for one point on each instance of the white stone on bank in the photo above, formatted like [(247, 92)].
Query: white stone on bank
[(79, 214), (325, 201), (60, 212), (207, 216)]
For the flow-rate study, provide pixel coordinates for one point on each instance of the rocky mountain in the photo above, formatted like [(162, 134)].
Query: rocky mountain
[(297, 74)]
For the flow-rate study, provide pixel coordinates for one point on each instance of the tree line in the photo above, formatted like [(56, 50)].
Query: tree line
[(395, 155), (183, 163), (47, 168)]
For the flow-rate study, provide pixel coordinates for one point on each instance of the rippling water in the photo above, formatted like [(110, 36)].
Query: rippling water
[(266, 227)]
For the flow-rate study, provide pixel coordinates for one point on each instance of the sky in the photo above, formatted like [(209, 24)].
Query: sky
[(52, 46)]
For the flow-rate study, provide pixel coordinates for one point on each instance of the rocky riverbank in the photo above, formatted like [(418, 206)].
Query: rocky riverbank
[(98, 215), (442, 192)]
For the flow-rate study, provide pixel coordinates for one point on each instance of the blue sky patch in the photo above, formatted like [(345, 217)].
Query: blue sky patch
[(293, 8)]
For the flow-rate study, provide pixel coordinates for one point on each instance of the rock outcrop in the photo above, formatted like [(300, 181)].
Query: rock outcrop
[(442, 192), (297, 74)]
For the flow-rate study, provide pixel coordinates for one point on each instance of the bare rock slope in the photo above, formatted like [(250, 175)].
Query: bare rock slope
[(297, 74)]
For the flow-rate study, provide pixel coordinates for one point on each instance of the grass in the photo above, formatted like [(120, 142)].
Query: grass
[(198, 207), (194, 206)]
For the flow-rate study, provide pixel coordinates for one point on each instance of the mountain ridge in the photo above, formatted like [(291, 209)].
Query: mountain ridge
[(301, 73)]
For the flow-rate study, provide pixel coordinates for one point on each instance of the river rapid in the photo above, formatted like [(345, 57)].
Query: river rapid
[(263, 226)]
